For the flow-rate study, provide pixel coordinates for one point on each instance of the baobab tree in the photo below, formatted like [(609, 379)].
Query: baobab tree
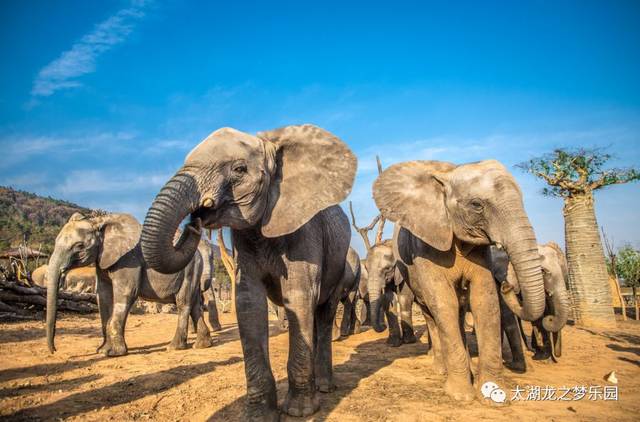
[(574, 175)]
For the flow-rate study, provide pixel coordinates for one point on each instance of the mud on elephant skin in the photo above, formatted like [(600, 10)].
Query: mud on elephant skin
[(111, 243), (278, 192), (446, 216)]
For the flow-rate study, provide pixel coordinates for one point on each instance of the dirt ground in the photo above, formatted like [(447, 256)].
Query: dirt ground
[(374, 382)]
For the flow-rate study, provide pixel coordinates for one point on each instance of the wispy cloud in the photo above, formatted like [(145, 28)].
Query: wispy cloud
[(96, 181), (80, 59)]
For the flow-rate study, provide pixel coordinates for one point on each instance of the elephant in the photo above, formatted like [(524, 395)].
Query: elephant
[(364, 316), (278, 192), (348, 297), (112, 243), (386, 289), (206, 284), (446, 217), (79, 280), (546, 338)]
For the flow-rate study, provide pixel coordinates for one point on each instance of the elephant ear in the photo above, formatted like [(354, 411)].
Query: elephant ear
[(313, 171), (120, 234), (412, 194)]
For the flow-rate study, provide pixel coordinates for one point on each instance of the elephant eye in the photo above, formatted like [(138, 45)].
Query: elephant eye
[(78, 245), (477, 205), (240, 168)]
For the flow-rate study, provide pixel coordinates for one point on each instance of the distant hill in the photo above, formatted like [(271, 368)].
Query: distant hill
[(36, 217)]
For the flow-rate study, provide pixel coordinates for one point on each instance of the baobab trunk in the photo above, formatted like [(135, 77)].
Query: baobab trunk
[(588, 277)]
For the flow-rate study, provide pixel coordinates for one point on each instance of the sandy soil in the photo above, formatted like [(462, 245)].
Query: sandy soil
[(375, 382)]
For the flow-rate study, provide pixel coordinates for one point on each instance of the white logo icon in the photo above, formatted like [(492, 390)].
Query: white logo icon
[(490, 390)]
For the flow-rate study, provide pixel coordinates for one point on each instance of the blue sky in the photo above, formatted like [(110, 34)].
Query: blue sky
[(101, 101)]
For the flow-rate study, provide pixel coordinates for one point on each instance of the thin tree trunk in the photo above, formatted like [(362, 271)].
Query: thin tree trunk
[(230, 266), (635, 302), (588, 277), (620, 298)]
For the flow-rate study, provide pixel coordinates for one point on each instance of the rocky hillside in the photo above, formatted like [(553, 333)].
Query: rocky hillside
[(36, 218)]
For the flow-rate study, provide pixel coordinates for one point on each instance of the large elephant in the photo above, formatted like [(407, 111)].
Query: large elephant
[(446, 216), (278, 192), (348, 297), (546, 337), (111, 243)]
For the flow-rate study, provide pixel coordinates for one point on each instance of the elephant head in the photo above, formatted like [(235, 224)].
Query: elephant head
[(85, 241), (380, 268), (478, 203), (275, 181)]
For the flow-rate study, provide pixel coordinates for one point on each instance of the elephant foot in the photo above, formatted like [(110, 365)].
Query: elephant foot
[(325, 385), (177, 345), (301, 403), (408, 339), (203, 342), (113, 349), (216, 328), (394, 341), (519, 367), (438, 366), (541, 355), (262, 414), (459, 390)]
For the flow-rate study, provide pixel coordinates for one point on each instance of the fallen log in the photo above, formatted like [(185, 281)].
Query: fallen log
[(83, 307), (10, 309), (41, 291)]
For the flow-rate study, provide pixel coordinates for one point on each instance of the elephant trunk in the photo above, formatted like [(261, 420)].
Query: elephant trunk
[(561, 305), (54, 274), (375, 285), (176, 200), (522, 249)]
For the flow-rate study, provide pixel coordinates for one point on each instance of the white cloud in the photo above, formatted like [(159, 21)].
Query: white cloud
[(96, 181), (80, 59)]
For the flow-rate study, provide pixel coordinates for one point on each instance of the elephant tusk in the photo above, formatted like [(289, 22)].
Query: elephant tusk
[(208, 203)]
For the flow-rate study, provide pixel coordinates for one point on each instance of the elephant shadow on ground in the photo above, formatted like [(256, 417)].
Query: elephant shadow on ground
[(48, 386), (27, 334), (624, 349), (365, 360), (121, 392), (46, 369)]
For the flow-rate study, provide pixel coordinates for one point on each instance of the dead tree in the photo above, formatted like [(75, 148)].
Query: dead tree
[(611, 254), (230, 266)]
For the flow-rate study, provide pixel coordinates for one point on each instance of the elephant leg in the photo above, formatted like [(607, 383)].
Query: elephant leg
[(203, 339), (253, 324), (179, 341), (391, 312), (540, 341), (123, 299), (212, 311), (509, 325), (367, 318), (435, 344), (302, 399), (192, 325), (405, 299), (335, 331), (484, 304), (442, 301), (105, 306), (323, 364), (348, 316)]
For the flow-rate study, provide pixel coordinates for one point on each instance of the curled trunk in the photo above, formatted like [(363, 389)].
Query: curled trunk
[(175, 201), (561, 306)]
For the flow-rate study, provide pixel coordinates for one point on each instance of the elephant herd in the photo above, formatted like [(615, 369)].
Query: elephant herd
[(462, 243)]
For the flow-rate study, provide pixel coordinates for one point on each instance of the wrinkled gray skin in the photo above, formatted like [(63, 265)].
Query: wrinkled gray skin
[(386, 289), (546, 337), (348, 298), (278, 192), (206, 283), (446, 217), (111, 243), (364, 317)]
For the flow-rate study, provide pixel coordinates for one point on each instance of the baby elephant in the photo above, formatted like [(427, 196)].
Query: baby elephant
[(111, 243)]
